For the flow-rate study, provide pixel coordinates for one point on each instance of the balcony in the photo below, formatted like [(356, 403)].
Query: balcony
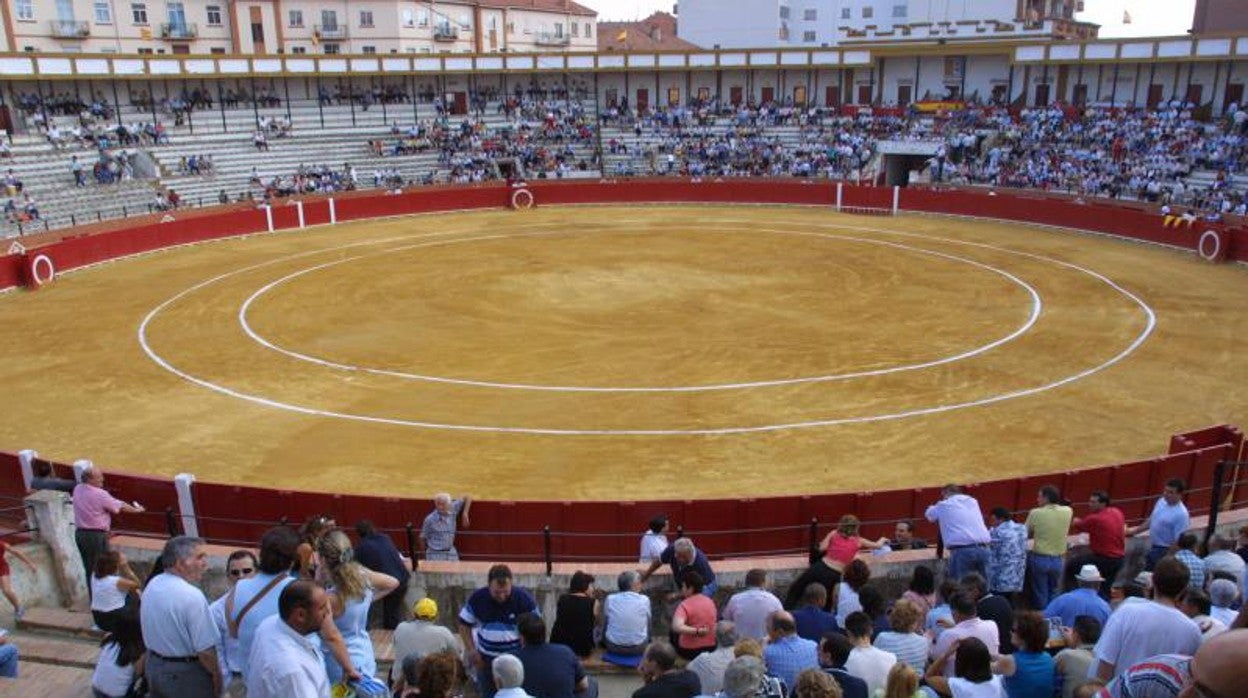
[(179, 31), (549, 39), (445, 32), (330, 32), (70, 29)]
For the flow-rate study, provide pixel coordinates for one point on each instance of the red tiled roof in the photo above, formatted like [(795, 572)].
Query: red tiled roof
[(567, 6), (654, 33)]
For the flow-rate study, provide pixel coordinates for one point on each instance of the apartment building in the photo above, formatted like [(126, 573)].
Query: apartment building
[(798, 23), (297, 26)]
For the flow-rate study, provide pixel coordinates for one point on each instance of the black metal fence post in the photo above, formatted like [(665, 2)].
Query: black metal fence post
[(411, 546), (546, 538), (814, 538), (1215, 498), (171, 522)]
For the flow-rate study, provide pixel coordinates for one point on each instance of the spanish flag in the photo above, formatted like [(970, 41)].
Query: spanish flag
[(622, 36)]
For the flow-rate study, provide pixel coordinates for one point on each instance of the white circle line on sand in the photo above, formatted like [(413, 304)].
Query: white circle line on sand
[(1037, 307), (1150, 325)]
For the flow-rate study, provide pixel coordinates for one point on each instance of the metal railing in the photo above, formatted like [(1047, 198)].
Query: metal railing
[(552, 39), (445, 32), (70, 29), (330, 32), (179, 30)]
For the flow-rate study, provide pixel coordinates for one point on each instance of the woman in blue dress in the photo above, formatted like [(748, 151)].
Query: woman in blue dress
[(352, 589)]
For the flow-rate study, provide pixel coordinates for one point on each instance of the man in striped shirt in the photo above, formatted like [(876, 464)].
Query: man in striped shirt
[(489, 623)]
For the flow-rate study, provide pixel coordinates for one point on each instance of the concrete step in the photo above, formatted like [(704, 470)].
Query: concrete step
[(50, 649), (59, 621), (48, 681)]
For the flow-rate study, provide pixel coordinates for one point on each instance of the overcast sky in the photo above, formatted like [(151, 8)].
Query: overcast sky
[(1148, 17)]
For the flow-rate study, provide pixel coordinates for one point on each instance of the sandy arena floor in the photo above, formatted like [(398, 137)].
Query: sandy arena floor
[(636, 353)]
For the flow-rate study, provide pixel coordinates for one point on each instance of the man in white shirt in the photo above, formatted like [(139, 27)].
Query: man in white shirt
[(1136, 631), (284, 662), (508, 677), (240, 565), (627, 627), (654, 540), (967, 623), (867, 662), (710, 666), (177, 627), (749, 608)]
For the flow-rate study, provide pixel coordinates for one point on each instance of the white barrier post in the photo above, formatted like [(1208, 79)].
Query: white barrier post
[(26, 458), (268, 216), (299, 206), (182, 482), (896, 199), (333, 212), (80, 465), (840, 186)]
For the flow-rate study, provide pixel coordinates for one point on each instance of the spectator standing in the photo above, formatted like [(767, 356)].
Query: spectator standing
[(1008, 564), (177, 626), (6, 579), (551, 669), (284, 661), (749, 608), (682, 556), (94, 508), (662, 678), (437, 532), (1084, 601), (576, 615), (114, 589), (121, 659), (423, 637), (488, 623), (812, 621), (1168, 520), (710, 666), (1071, 665), (377, 552), (1106, 529), (1048, 524), (962, 530), (786, 655), (1139, 630), (654, 540), (626, 622), (353, 590), (867, 662), (240, 565)]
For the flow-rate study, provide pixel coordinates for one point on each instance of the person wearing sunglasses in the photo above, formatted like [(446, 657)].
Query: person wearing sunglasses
[(1215, 671), (241, 564)]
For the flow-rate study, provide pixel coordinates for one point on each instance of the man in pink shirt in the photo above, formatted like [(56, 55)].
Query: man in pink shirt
[(968, 624), (93, 517)]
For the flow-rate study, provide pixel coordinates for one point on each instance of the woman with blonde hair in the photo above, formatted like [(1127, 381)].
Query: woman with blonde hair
[(352, 589), (837, 550), (903, 682), (815, 683)]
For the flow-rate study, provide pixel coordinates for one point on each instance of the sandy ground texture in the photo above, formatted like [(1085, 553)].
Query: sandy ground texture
[(639, 353)]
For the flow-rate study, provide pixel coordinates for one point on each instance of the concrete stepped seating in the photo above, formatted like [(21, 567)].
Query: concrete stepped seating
[(46, 649), (48, 681), (60, 622)]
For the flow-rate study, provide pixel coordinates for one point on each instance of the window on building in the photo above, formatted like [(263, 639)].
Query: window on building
[(899, 11), (332, 49), (214, 15), (784, 12), (145, 52), (559, 29), (846, 13), (298, 49), (329, 20), (25, 9), (139, 11), (216, 49), (296, 18), (366, 18), (588, 33), (576, 29), (409, 18), (464, 21), (103, 12), (810, 14), (368, 49), (809, 37), (784, 32), (868, 12), (422, 17)]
